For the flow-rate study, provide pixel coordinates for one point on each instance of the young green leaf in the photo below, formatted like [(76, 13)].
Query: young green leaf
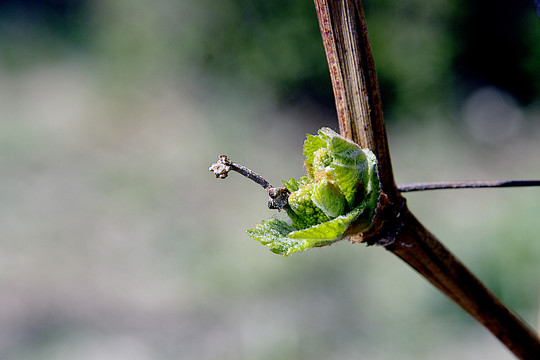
[(341, 188)]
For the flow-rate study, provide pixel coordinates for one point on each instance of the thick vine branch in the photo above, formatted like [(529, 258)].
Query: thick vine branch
[(354, 81), (360, 117)]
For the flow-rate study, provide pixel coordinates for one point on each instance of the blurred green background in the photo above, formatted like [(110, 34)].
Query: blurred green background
[(117, 243)]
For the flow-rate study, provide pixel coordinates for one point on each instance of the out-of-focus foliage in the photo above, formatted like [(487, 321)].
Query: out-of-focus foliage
[(413, 49), (425, 51), (275, 43), (117, 243), (428, 53), (32, 31), (496, 44)]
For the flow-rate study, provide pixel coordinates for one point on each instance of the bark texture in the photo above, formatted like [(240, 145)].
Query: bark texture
[(360, 117)]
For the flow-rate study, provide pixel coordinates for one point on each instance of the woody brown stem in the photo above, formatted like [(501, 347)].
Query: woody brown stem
[(354, 81), (421, 250), (358, 103)]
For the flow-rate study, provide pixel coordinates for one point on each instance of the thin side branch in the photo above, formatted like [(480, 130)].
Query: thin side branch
[(222, 167), (440, 185), (278, 197)]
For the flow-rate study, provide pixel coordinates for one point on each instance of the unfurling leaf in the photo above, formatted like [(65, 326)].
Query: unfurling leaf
[(341, 189)]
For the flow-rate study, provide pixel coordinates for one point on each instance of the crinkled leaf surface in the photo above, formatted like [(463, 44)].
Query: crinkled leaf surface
[(341, 187), (328, 198), (282, 239), (312, 144)]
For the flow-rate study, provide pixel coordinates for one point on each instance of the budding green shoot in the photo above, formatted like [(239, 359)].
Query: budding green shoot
[(341, 189)]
